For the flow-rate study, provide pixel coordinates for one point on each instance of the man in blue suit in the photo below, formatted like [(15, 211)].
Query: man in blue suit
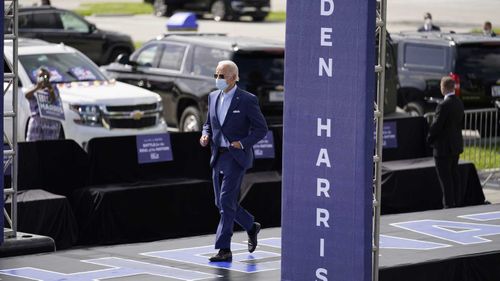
[(234, 125)]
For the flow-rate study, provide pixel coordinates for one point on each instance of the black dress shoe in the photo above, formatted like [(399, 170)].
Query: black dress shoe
[(252, 237), (222, 255)]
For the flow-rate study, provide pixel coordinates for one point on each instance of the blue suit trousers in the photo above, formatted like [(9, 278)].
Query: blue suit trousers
[(227, 177)]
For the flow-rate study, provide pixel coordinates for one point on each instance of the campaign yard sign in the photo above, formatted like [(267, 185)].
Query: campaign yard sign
[(328, 140), (48, 108), (154, 148)]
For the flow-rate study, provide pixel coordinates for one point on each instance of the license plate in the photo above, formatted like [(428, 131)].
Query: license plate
[(276, 96), (495, 91)]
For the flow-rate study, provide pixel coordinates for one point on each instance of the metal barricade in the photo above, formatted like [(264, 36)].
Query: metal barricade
[(481, 139)]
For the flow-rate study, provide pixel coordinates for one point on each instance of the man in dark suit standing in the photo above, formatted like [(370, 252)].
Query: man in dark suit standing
[(428, 25), (445, 136), (234, 125)]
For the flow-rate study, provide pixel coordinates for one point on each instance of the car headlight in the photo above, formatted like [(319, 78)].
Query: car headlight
[(90, 115)]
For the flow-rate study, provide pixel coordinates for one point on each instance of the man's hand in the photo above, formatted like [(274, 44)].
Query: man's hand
[(236, 144), (204, 140)]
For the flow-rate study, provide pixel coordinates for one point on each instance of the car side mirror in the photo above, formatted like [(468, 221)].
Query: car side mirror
[(92, 28), (123, 59)]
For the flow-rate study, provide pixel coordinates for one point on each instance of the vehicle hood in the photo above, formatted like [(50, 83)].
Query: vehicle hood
[(112, 93)]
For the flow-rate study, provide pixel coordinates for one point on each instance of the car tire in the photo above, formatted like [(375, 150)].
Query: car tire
[(190, 120), (220, 10), (414, 109), (259, 18), (115, 53)]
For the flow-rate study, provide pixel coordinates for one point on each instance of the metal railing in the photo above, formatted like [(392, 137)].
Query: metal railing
[(480, 131)]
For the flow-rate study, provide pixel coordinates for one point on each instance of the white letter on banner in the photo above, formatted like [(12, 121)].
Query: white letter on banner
[(322, 217), (323, 277), (325, 67), (325, 127), (331, 6), (322, 186), (323, 158), (322, 247), (326, 37)]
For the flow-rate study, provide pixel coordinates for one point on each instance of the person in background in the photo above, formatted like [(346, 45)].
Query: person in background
[(41, 128), (488, 30), (234, 125), (46, 3), (445, 137), (428, 26)]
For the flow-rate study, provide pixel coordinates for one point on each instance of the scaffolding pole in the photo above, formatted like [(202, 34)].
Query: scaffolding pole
[(11, 84), (381, 37)]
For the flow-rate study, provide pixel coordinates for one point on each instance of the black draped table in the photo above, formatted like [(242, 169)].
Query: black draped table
[(413, 185), (43, 213)]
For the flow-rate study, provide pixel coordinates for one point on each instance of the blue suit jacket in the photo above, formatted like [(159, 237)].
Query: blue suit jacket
[(244, 122)]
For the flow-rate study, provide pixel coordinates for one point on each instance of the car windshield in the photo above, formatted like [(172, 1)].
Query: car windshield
[(260, 68), (64, 68), (479, 60)]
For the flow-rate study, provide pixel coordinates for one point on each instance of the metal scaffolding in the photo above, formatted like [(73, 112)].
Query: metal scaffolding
[(11, 88), (381, 37)]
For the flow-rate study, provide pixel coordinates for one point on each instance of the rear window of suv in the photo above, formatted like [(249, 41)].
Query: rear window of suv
[(424, 56), (478, 59), (261, 67)]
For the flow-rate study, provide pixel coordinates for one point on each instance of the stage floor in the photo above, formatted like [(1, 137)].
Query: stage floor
[(414, 239)]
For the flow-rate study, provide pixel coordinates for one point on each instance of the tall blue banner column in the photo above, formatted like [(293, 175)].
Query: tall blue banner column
[(1, 127), (328, 140)]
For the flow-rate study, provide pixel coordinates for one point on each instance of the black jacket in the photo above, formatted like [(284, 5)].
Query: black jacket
[(445, 134), (433, 28)]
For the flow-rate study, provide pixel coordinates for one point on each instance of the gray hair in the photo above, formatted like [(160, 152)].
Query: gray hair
[(232, 67), (447, 85)]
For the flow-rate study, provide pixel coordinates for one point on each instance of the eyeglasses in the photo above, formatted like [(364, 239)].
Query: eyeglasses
[(218, 76)]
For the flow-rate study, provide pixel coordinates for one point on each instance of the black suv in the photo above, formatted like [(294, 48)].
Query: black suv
[(220, 9), (58, 25), (180, 68), (473, 61)]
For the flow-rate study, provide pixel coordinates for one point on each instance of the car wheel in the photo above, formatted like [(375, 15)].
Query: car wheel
[(115, 53), (258, 18), (190, 120), (160, 8), (220, 11), (414, 109)]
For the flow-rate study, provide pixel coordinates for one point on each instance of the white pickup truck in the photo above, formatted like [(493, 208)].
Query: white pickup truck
[(93, 105)]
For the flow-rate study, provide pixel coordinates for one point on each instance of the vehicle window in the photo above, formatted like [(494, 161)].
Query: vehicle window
[(73, 23), (46, 21), (420, 56), (147, 55), (172, 56), (260, 68), (205, 60), (24, 21), (65, 67), (478, 60)]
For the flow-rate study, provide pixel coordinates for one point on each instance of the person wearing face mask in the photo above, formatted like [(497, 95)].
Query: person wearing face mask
[(234, 125), (40, 128), (488, 30), (428, 26)]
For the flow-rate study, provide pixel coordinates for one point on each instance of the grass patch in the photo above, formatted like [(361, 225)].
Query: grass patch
[(138, 44), (276, 17), (87, 9), (482, 158)]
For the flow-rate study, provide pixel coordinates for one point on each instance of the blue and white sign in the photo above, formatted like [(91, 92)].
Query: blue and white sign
[(154, 148), (50, 109), (264, 149), (328, 140), (390, 134)]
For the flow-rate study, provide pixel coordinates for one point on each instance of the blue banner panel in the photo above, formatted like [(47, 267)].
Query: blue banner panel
[(328, 140), (1, 126)]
